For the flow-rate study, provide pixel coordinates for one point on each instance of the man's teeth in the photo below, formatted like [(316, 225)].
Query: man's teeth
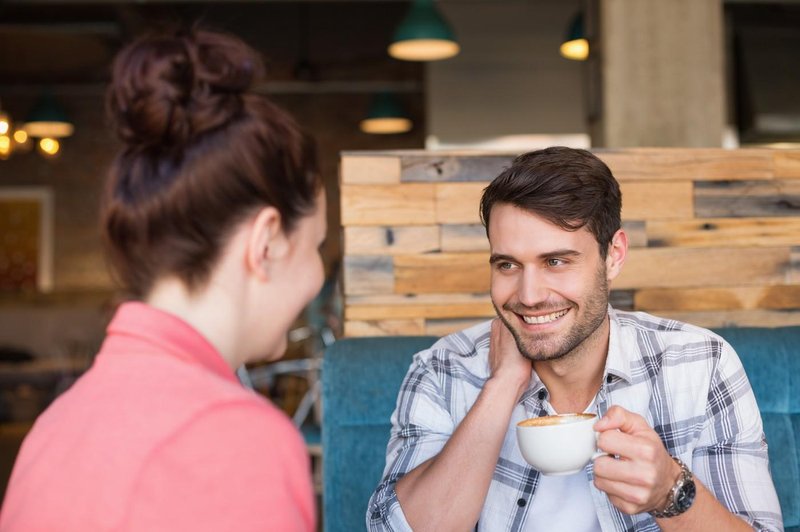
[(547, 318)]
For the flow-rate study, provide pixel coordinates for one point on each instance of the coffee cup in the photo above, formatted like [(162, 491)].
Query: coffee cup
[(558, 445)]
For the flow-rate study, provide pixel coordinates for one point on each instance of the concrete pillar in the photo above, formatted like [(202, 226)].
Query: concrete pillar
[(659, 76)]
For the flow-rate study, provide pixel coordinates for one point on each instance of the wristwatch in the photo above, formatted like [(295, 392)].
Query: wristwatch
[(681, 496)]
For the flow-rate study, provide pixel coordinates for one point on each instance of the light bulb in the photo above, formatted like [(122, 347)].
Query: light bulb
[(49, 147), (5, 146)]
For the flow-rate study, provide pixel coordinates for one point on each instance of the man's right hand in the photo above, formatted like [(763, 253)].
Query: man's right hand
[(506, 363), (460, 475)]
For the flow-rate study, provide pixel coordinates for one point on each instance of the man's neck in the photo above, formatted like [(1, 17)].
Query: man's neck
[(573, 380)]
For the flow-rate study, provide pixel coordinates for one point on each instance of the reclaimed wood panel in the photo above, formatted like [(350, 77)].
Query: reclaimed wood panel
[(368, 275), (778, 297), (693, 267), (413, 204), (439, 168), (385, 328), (711, 232), (787, 164), (740, 199), (370, 170), (688, 164), (464, 237), (458, 203), (793, 276), (441, 272), (736, 318), (656, 200), (636, 231), (398, 306), (445, 327), (384, 240), (714, 237)]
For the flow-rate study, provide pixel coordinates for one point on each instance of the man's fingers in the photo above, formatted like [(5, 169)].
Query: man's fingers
[(617, 418)]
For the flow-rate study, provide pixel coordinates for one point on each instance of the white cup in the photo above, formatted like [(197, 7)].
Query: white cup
[(558, 445)]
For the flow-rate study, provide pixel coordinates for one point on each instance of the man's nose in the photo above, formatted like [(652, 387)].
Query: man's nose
[(532, 288)]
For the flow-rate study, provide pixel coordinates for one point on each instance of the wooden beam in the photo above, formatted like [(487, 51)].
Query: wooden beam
[(411, 204), (369, 170)]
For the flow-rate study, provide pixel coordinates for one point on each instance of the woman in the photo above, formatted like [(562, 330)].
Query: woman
[(213, 217)]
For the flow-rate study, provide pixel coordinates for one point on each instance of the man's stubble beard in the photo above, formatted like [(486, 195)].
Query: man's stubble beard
[(595, 311)]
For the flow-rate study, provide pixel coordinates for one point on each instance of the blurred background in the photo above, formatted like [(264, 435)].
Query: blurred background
[(689, 73)]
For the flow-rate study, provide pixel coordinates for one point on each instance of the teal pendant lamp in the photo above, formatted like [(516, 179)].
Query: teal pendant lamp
[(575, 45), (423, 35), (48, 119), (385, 116)]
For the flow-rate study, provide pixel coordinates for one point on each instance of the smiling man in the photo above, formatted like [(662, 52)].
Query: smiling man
[(678, 417)]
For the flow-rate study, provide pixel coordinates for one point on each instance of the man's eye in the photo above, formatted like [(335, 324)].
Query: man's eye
[(555, 262), (505, 266)]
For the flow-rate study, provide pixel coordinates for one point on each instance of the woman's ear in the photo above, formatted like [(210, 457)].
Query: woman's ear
[(267, 242), (617, 252)]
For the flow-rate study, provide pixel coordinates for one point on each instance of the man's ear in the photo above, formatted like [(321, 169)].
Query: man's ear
[(267, 242), (617, 252)]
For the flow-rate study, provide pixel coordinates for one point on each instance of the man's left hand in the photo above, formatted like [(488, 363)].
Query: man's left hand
[(643, 475)]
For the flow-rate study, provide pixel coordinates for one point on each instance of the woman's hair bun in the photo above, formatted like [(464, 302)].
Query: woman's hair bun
[(167, 90)]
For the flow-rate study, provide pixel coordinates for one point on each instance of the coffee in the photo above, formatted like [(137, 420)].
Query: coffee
[(558, 445), (559, 419)]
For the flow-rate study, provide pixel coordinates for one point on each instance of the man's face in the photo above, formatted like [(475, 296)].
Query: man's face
[(549, 285)]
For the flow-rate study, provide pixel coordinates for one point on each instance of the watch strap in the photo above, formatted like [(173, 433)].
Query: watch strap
[(671, 510)]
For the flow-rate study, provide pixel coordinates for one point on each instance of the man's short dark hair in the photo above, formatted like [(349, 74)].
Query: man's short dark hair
[(568, 187)]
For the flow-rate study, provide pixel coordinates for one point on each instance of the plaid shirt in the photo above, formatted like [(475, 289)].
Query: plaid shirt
[(687, 382)]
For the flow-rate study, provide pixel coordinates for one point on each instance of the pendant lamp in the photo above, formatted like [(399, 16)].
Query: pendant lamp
[(575, 45), (423, 35), (48, 119), (385, 116)]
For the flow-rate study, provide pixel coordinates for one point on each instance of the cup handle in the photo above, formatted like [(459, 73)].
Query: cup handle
[(598, 453)]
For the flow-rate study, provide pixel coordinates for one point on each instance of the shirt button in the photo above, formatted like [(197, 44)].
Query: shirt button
[(521, 502), (609, 378), (542, 395), (376, 514)]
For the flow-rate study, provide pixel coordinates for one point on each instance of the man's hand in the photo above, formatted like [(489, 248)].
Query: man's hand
[(506, 363), (642, 477)]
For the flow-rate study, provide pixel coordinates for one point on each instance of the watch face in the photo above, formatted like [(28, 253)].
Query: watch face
[(685, 496)]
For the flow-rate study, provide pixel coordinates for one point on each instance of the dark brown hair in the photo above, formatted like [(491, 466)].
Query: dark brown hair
[(201, 153), (568, 187)]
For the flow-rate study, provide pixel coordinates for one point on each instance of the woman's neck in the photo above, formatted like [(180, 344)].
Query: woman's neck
[(210, 311)]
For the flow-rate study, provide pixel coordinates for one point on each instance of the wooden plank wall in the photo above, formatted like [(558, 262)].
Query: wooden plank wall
[(715, 237)]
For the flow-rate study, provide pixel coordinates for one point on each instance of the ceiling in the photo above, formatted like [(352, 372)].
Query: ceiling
[(70, 43)]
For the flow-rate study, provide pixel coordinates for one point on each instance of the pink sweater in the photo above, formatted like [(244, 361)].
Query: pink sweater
[(159, 435)]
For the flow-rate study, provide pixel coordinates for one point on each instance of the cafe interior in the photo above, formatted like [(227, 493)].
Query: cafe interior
[(692, 103)]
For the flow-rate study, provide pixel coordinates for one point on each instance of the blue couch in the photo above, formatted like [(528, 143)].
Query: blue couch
[(361, 378)]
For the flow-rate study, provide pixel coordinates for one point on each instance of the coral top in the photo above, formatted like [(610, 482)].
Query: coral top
[(159, 435)]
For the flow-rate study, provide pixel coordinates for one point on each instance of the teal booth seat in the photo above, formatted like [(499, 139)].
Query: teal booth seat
[(360, 381), (361, 378), (771, 358)]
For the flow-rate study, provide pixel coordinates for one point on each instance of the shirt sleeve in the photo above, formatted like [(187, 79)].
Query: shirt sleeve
[(731, 458), (421, 426), (237, 467)]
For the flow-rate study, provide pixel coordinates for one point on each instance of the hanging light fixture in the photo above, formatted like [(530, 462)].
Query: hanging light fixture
[(48, 119), (575, 45), (423, 35), (385, 116)]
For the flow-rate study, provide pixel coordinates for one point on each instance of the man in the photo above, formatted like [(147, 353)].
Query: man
[(679, 420)]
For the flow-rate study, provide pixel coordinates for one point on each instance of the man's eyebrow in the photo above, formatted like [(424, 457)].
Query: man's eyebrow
[(560, 253), (499, 257)]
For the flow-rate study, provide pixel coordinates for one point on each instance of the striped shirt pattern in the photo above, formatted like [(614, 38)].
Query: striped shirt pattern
[(687, 382)]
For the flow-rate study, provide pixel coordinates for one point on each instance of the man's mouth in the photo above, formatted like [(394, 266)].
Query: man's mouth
[(546, 318)]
